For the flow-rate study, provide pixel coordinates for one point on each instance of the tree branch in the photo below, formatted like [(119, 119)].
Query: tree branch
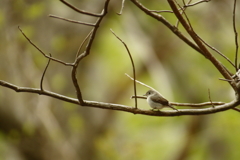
[(119, 107), (133, 67), (204, 50), (72, 21), (80, 11), (236, 34)]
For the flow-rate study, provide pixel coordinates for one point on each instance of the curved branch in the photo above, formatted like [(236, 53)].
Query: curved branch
[(133, 67), (44, 72)]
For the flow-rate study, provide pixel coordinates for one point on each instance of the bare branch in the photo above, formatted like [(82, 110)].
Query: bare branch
[(236, 109), (140, 82), (173, 28), (193, 4), (197, 104), (73, 21), (45, 55), (203, 104), (104, 12), (228, 80), (141, 97), (86, 53), (236, 34), (209, 96), (161, 11), (123, 1), (111, 106), (80, 47), (133, 67), (41, 82), (214, 49), (205, 52), (80, 11), (181, 9), (75, 81)]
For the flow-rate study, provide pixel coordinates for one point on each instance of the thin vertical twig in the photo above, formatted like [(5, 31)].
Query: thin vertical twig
[(133, 67), (236, 34), (209, 96), (123, 1), (44, 72)]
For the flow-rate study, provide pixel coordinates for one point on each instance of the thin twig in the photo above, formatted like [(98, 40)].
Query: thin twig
[(236, 109), (183, 1), (122, 6), (73, 21), (140, 82), (203, 104), (209, 97), (161, 11), (44, 72), (214, 49), (80, 11), (133, 66), (182, 9), (92, 36), (141, 97), (236, 34), (193, 4), (228, 80), (45, 55), (79, 49)]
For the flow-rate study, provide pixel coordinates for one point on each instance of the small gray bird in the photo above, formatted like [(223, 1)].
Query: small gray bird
[(156, 101)]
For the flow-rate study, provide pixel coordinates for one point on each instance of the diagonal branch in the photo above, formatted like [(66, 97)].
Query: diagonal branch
[(72, 21), (80, 11), (44, 54), (167, 24), (204, 50)]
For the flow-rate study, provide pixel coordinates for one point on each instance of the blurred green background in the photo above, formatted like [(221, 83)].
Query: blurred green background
[(34, 127)]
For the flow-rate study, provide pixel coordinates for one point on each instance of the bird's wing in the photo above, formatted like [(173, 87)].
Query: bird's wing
[(161, 100)]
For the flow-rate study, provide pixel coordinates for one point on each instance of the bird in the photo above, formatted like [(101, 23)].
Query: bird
[(156, 100)]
